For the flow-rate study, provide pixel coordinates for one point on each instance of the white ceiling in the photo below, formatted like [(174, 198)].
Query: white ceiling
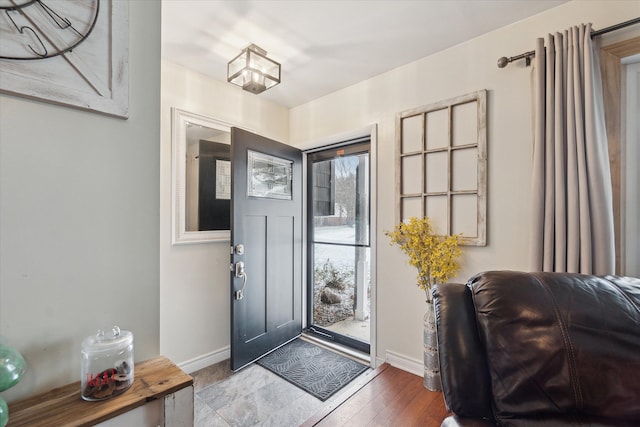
[(324, 45)]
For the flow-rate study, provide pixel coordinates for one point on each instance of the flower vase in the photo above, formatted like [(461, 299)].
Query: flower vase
[(12, 368), (431, 361)]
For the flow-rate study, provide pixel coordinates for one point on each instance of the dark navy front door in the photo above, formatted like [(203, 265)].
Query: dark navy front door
[(266, 241)]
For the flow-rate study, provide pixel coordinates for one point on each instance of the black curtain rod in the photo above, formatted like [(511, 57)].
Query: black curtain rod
[(504, 61)]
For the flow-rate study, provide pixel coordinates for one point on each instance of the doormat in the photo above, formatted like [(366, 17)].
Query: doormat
[(316, 370)]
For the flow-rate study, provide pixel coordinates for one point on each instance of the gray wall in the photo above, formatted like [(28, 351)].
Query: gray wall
[(79, 219)]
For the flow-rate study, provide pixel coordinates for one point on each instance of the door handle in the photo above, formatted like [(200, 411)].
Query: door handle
[(240, 273)]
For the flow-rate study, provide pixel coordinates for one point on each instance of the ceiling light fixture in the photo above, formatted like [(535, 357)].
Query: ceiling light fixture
[(253, 71)]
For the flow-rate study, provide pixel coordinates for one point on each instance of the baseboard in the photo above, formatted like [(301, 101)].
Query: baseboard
[(405, 363), (208, 359)]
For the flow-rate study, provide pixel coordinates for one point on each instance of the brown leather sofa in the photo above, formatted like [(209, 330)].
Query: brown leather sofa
[(540, 349)]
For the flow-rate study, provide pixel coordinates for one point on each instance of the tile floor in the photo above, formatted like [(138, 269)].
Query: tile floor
[(253, 396)]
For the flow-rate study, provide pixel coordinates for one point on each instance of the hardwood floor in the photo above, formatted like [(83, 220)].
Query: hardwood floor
[(384, 397)]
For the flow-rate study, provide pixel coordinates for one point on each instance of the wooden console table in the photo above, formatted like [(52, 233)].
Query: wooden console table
[(161, 394)]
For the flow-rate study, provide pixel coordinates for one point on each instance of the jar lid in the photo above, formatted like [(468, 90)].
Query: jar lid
[(104, 341)]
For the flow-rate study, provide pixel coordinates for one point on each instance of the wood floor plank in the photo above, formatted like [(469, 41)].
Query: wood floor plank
[(395, 405), (418, 407), (423, 409), (379, 387), (390, 396), (385, 390)]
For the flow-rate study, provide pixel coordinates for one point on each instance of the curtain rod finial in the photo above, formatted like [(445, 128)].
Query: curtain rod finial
[(502, 62)]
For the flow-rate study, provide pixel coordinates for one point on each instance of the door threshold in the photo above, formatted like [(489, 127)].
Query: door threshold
[(349, 352)]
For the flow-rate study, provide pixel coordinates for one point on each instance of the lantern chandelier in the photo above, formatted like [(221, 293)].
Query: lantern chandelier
[(253, 71)]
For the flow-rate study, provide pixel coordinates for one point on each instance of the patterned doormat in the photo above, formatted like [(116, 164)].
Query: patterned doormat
[(316, 370)]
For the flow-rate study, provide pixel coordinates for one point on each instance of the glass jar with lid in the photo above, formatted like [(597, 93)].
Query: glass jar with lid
[(107, 364)]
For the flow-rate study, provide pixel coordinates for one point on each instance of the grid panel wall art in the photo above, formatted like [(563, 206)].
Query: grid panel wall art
[(441, 166)]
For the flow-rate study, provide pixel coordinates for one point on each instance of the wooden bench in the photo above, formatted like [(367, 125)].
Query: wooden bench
[(161, 395)]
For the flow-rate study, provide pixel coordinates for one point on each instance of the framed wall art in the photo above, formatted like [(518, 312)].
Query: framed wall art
[(73, 53), (441, 166)]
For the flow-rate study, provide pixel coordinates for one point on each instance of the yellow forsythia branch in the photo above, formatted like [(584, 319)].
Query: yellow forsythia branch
[(435, 257)]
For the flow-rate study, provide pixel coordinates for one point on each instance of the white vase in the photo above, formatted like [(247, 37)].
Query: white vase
[(431, 362)]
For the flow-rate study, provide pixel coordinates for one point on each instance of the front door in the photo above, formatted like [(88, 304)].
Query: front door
[(266, 245)]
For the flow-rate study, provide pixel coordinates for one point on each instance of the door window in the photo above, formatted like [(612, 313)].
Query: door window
[(339, 244)]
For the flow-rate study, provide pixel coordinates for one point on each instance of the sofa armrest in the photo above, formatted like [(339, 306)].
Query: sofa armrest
[(464, 371)]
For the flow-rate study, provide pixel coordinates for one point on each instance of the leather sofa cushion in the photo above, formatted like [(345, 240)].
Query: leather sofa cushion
[(464, 373), (560, 343)]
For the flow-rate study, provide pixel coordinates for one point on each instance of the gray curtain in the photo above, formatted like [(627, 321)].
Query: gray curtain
[(572, 213)]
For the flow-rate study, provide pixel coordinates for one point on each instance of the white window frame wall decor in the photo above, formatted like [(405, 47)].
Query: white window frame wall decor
[(441, 166)]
